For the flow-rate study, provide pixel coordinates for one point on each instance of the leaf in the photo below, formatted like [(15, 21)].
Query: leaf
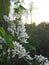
[(8, 37), (16, 10), (35, 63), (21, 7), (2, 31), (10, 44), (32, 47)]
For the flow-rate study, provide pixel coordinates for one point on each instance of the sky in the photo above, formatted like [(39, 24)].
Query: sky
[(40, 12)]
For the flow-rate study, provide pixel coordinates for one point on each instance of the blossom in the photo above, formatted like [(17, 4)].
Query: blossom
[(21, 33), (2, 40), (6, 18), (46, 63), (19, 49), (12, 28), (41, 59), (29, 57), (11, 13)]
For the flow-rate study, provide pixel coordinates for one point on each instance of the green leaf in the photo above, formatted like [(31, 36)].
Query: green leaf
[(10, 44), (21, 7), (35, 63), (32, 47), (8, 37), (2, 31)]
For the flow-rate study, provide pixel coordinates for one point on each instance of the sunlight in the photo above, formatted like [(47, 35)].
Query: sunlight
[(41, 13)]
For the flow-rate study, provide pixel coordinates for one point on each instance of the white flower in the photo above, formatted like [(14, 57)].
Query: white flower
[(21, 33), (46, 63), (29, 57), (6, 18), (42, 59), (11, 13), (19, 49), (11, 30), (4, 52), (2, 40), (8, 50)]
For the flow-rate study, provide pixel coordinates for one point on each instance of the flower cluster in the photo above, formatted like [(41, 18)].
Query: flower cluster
[(21, 33), (2, 40), (12, 28), (19, 49), (11, 13), (41, 59), (11, 25)]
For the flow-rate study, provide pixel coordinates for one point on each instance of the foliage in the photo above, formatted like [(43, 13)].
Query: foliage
[(33, 38), (39, 37), (4, 10)]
